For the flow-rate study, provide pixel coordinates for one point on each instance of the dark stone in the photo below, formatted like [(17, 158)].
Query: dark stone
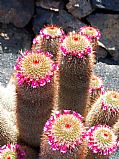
[(101, 52), (55, 5), (17, 12), (68, 22), (61, 18), (106, 4), (108, 24), (43, 17), (79, 8)]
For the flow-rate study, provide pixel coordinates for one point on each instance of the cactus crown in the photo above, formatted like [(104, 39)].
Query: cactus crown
[(10, 151), (35, 68), (102, 140), (51, 31), (76, 45), (90, 32), (64, 130), (111, 101), (96, 83), (112, 97)]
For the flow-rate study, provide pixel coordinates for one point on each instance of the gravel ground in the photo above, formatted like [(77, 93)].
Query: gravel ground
[(110, 75)]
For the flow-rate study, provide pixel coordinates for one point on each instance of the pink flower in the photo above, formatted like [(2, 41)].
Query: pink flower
[(35, 68), (11, 151), (76, 45), (101, 139), (51, 32), (90, 32), (65, 130)]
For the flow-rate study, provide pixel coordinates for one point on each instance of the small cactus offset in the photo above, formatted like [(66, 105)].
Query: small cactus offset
[(63, 135), (35, 89), (75, 73), (96, 88), (105, 110), (49, 39), (93, 34), (102, 142), (12, 151)]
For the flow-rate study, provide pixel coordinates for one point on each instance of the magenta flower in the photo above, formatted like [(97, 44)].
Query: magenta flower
[(35, 68), (51, 32), (90, 32), (101, 139), (96, 84), (11, 151), (110, 101), (76, 45), (65, 131)]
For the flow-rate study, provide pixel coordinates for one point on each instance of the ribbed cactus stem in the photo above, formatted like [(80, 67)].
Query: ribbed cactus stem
[(105, 110), (102, 142), (49, 39), (63, 135), (35, 93), (8, 129), (93, 34), (75, 73)]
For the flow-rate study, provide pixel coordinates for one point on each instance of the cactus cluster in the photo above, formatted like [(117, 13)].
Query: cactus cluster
[(56, 104)]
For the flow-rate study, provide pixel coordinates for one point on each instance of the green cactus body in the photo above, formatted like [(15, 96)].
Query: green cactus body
[(75, 73), (105, 110), (35, 93), (8, 129), (49, 40)]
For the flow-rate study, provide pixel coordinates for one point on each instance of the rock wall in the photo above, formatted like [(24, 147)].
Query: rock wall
[(70, 15)]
